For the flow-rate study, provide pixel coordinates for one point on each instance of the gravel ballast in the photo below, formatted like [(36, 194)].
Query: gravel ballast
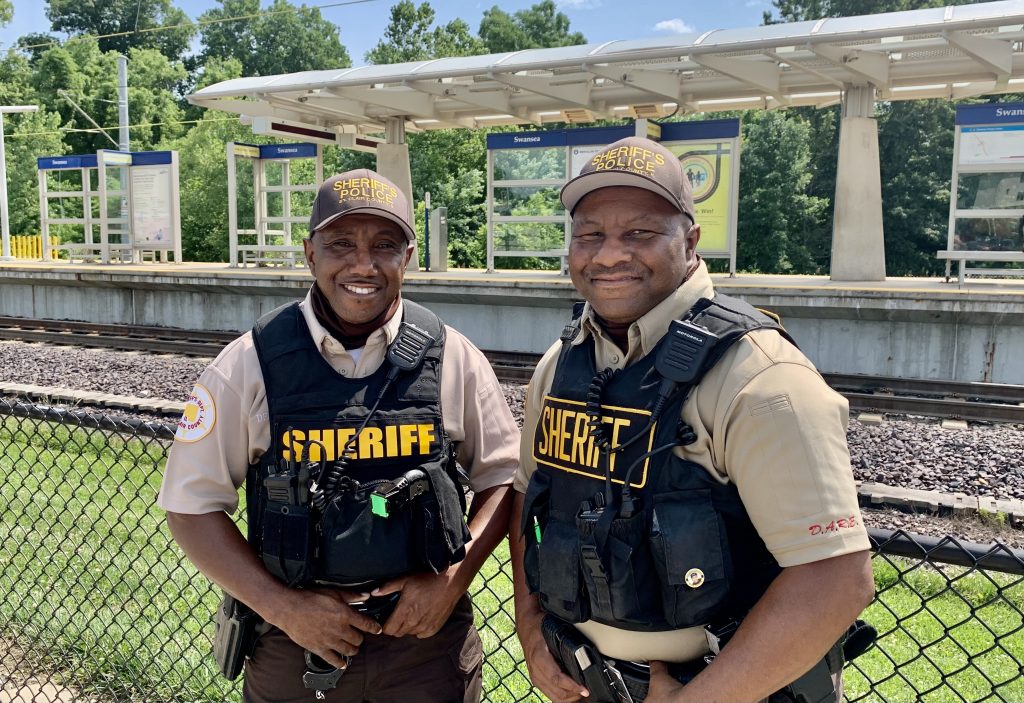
[(982, 460)]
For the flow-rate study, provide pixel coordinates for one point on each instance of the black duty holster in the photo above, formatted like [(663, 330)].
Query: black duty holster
[(611, 681), (237, 629), (608, 680)]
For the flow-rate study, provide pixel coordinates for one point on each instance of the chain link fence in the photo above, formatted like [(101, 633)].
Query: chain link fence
[(97, 604)]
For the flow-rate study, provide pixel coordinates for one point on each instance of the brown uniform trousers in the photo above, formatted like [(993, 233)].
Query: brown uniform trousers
[(444, 668)]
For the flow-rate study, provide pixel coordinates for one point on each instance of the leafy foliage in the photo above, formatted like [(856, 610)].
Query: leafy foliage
[(776, 214), (536, 27), (124, 18), (280, 40), (410, 36), (31, 136)]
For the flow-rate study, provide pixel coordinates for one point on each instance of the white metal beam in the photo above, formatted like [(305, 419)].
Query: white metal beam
[(319, 110), (994, 54), (493, 100), (867, 66), (577, 94), (763, 75), (401, 100), (663, 84), (797, 66)]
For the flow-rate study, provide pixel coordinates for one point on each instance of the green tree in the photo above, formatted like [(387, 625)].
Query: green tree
[(29, 136), (539, 26), (35, 44), (125, 18), (915, 140), (16, 86), (411, 36), (204, 187), (88, 76), (775, 212), (282, 39), (6, 12), (151, 99)]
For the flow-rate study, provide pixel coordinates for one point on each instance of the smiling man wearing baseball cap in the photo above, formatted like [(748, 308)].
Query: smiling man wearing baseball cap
[(686, 524), (335, 415)]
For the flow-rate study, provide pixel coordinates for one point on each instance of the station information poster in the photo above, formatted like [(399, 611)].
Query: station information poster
[(152, 217), (708, 165), (989, 145)]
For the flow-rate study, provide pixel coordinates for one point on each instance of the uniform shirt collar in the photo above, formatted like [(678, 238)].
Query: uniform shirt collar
[(323, 340), (645, 333)]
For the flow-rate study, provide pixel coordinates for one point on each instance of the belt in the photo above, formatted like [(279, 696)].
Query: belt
[(608, 680), (637, 676)]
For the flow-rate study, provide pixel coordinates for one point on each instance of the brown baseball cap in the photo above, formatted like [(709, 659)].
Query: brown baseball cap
[(361, 191), (636, 162)]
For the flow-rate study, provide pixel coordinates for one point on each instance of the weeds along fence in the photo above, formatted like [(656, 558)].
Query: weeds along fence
[(97, 604)]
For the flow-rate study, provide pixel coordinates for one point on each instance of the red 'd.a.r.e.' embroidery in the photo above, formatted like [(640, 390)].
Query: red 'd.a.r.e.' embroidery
[(833, 526)]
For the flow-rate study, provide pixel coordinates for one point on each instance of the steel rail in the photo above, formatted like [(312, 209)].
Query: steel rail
[(988, 402)]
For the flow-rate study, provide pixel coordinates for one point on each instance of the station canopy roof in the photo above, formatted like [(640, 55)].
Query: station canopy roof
[(950, 53)]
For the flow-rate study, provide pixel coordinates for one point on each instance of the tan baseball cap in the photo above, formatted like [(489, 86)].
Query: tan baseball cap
[(636, 162), (361, 191)]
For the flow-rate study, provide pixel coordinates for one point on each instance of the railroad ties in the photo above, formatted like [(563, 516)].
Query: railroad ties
[(984, 402)]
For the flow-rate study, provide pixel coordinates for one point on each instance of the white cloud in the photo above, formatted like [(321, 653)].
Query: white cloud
[(755, 3), (675, 26), (579, 4)]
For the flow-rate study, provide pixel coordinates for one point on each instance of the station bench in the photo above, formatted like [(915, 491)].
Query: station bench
[(965, 256)]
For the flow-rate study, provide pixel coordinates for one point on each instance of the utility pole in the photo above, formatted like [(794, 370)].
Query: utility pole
[(122, 103), (5, 225)]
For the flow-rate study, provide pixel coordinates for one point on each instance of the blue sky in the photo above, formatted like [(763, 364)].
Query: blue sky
[(600, 20)]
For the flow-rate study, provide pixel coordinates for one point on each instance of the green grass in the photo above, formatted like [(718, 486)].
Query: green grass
[(97, 596)]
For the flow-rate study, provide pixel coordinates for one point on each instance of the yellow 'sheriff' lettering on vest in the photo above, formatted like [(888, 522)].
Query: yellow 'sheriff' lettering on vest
[(564, 442), (388, 442)]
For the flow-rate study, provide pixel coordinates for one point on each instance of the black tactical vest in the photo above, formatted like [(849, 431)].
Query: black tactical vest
[(688, 554), (346, 543)]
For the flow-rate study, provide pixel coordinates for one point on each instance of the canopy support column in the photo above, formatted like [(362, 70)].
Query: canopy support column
[(858, 244), (393, 164)]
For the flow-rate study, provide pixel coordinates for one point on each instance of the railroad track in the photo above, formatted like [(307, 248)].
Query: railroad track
[(988, 402)]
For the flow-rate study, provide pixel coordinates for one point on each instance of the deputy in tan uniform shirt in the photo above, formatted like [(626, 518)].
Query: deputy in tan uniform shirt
[(428, 650), (764, 420)]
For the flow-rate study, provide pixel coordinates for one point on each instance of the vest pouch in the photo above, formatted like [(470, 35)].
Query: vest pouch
[(357, 547), (558, 571), (287, 542), (534, 522), (691, 556), (621, 579), (442, 529)]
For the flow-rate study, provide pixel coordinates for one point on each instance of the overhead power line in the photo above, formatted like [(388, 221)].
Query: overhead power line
[(198, 23), (95, 130)]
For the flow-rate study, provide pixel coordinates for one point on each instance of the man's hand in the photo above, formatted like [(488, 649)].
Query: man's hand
[(321, 621), (664, 688), (545, 673), (426, 604)]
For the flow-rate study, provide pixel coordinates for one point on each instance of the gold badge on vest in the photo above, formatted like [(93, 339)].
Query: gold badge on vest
[(563, 440)]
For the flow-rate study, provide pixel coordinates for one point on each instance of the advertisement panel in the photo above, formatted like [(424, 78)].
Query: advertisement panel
[(708, 165), (152, 214)]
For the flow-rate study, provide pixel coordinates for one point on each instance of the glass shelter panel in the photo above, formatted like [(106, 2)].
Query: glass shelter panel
[(529, 164), (1005, 234), (527, 200), (990, 191), (530, 238)]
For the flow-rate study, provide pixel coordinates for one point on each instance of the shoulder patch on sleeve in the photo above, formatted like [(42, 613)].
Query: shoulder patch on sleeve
[(199, 417)]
